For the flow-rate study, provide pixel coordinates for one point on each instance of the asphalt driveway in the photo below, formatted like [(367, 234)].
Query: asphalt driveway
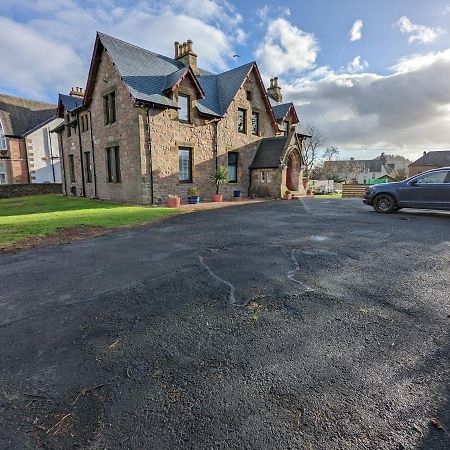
[(310, 324)]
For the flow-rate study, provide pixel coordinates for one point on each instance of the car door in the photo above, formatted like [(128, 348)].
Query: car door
[(430, 190)]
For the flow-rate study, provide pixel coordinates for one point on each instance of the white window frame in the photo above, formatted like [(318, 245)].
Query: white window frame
[(3, 144)]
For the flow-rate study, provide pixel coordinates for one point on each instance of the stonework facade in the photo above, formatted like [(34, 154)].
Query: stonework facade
[(28, 152), (147, 137)]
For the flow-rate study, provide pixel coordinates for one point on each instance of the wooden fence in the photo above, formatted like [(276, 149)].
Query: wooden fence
[(353, 190)]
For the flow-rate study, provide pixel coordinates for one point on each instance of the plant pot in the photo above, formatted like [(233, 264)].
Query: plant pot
[(217, 198), (193, 200), (236, 193), (173, 202), (287, 197)]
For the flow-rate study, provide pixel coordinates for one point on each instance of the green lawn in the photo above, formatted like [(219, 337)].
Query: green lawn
[(43, 215), (329, 196)]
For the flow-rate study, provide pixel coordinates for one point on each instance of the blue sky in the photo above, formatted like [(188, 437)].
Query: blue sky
[(384, 86)]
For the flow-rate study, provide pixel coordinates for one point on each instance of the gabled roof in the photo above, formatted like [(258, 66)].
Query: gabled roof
[(148, 76), (68, 103), (435, 158), (270, 153), (20, 115), (281, 110)]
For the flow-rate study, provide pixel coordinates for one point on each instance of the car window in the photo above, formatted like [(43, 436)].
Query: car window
[(432, 178), (447, 178)]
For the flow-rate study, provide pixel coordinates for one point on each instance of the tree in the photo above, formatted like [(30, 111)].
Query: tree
[(312, 147), (331, 153)]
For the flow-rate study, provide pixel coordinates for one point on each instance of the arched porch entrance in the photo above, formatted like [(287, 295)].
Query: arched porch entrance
[(293, 171)]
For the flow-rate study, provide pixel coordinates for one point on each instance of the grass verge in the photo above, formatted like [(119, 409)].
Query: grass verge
[(37, 216), (328, 196)]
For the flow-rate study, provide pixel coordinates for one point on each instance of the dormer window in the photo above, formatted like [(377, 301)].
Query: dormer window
[(184, 113), (2, 138)]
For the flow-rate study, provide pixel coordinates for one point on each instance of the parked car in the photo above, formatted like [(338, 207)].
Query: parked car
[(428, 190)]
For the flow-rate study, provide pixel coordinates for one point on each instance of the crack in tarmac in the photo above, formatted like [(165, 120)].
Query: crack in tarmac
[(291, 274), (231, 296)]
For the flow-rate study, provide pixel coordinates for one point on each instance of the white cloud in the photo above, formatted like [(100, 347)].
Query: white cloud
[(286, 48), (57, 42), (418, 33), (356, 65), (265, 12), (355, 33), (35, 62), (365, 110)]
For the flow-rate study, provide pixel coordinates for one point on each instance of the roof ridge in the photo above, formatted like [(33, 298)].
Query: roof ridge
[(236, 68), (27, 99), (175, 61)]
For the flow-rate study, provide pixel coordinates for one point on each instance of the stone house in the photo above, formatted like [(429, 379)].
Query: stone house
[(148, 126), (28, 152), (429, 161)]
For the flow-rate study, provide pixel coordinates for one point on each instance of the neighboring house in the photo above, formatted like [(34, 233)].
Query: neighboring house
[(150, 126), (28, 152), (363, 169), (430, 160)]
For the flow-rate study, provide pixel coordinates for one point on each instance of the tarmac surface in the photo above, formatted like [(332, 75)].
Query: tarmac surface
[(311, 324)]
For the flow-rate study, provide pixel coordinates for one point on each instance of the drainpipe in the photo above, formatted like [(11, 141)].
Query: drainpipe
[(93, 155), (216, 143), (250, 182), (83, 186), (61, 157), (51, 154), (150, 161)]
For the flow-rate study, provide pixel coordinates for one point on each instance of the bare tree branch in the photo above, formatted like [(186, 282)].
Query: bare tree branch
[(312, 146)]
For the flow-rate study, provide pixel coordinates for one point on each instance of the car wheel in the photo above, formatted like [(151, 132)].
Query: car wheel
[(384, 203)]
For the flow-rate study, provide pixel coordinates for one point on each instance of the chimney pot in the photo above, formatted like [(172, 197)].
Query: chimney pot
[(274, 90)]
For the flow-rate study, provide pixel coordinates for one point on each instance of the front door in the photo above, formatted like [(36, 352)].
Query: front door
[(293, 172)]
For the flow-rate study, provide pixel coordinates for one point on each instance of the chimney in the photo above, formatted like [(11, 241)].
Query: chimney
[(424, 153), (185, 54), (274, 90), (77, 92)]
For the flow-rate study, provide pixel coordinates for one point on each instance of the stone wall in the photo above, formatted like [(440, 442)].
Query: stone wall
[(22, 190), (124, 133), (168, 134), (130, 133), (266, 183), (16, 164)]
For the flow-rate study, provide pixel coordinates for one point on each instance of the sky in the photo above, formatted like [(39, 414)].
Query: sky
[(372, 75)]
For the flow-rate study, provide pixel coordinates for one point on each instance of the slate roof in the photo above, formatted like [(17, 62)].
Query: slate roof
[(149, 75), (20, 115), (270, 152), (70, 102), (436, 158), (280, 110)]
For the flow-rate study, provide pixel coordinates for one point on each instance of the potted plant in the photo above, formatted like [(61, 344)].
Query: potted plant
[(220, 177), (287, 195), (193, 195), (173, 201)]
